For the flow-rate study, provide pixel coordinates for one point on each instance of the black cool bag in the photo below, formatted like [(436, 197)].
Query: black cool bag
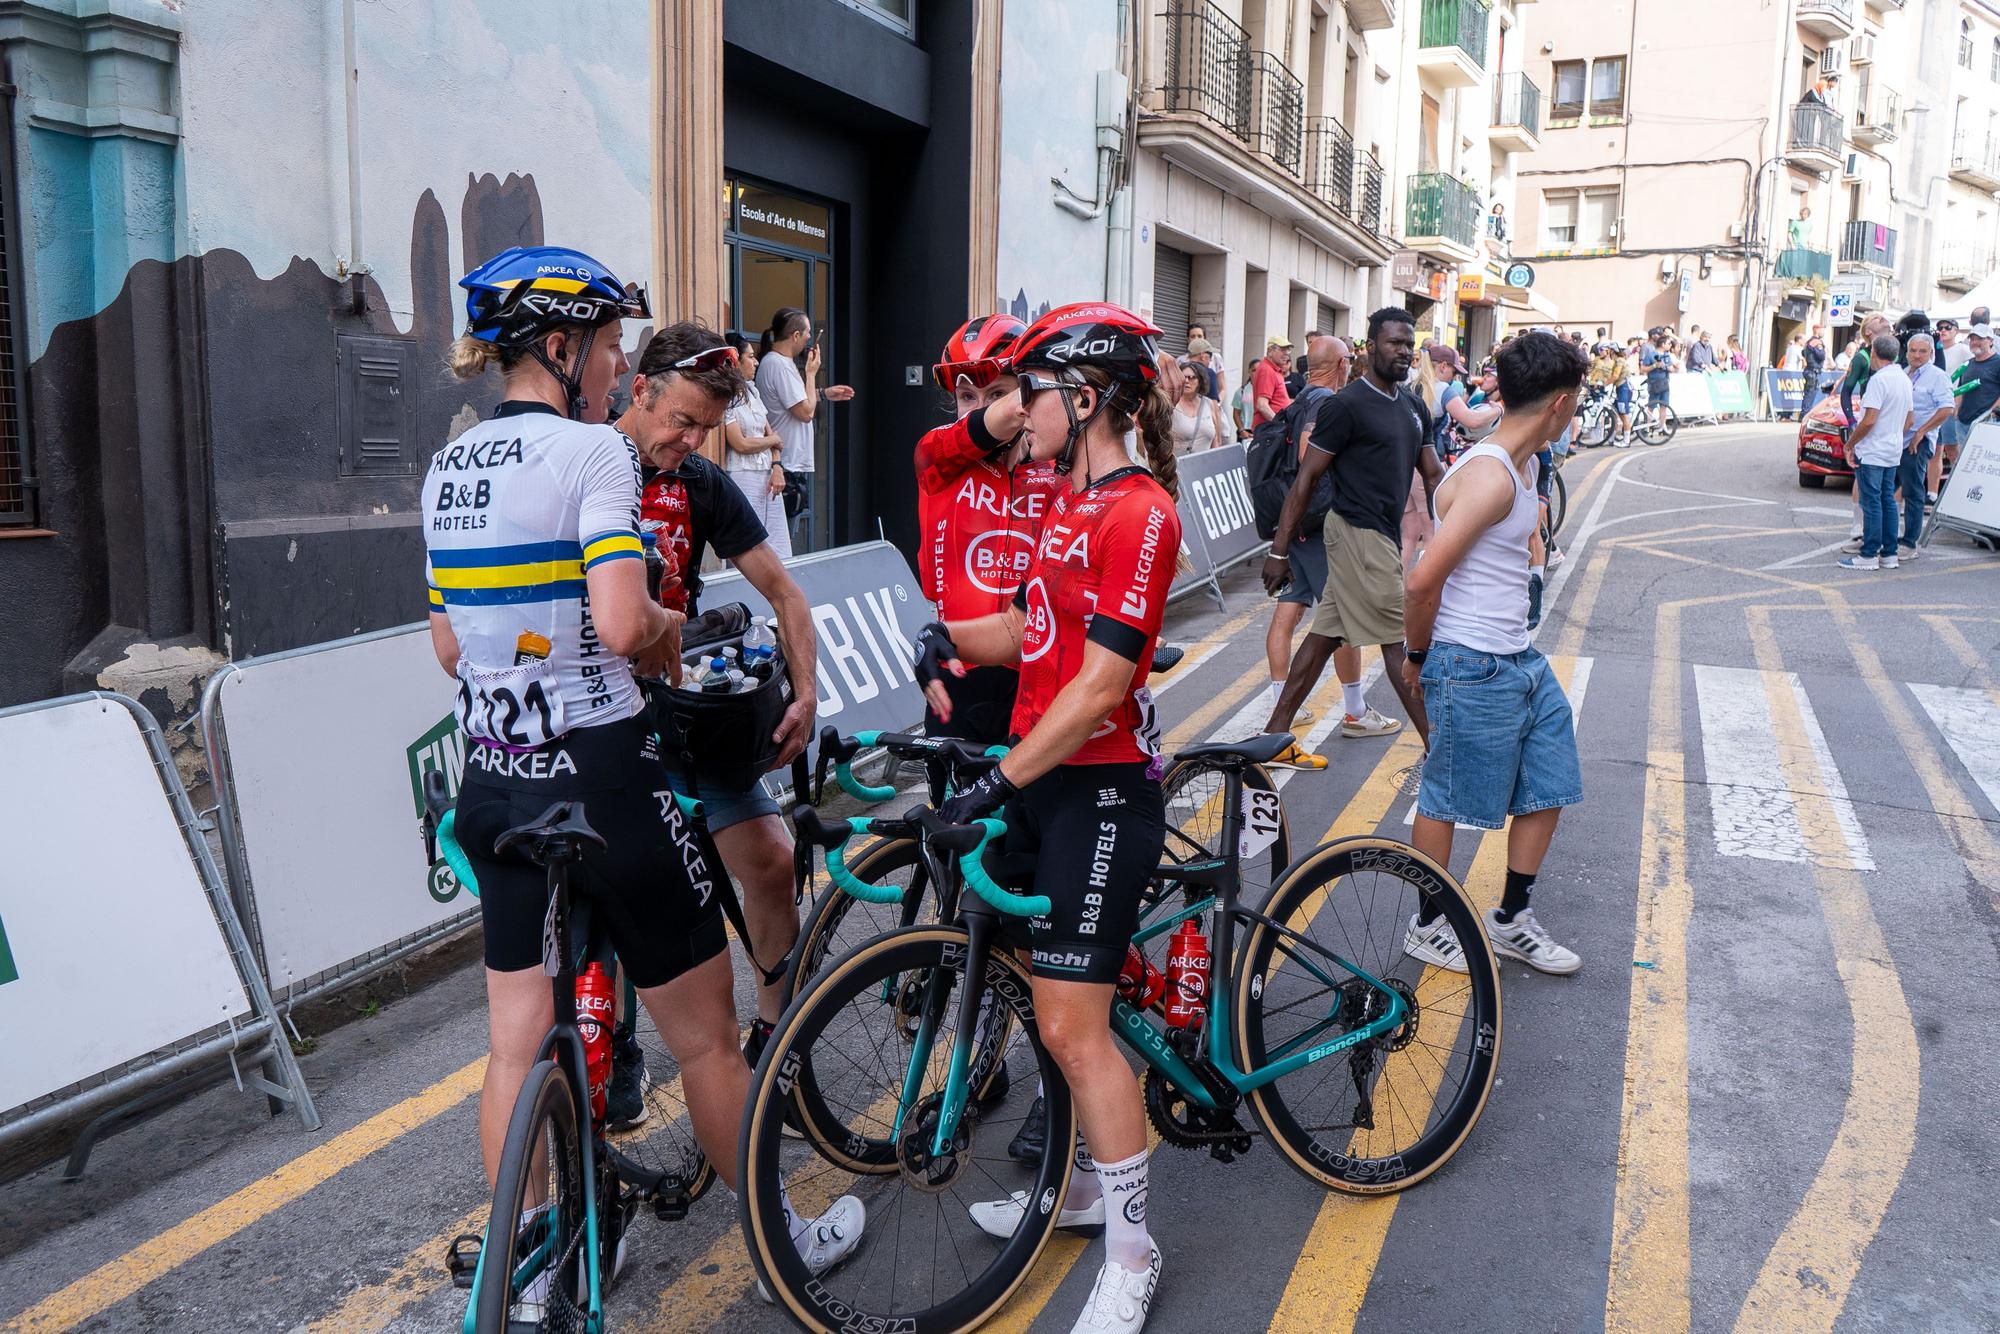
[(721, 739)]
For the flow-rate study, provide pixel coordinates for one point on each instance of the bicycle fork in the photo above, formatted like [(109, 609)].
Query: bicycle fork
[(980, 923)]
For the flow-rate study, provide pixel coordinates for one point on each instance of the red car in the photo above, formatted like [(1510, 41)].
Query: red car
[(1822, 453)]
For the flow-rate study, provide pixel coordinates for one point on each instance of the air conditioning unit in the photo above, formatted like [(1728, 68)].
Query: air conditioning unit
[(1861, 50), (1850, 170), (1832, 60)]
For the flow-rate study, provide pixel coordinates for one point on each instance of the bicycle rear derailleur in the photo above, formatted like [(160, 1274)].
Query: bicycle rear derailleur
[(1188, 1125)]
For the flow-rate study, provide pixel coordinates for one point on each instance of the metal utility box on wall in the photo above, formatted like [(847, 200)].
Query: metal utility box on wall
[(374, 412)]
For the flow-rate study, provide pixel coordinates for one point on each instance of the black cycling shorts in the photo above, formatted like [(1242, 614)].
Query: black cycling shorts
[(649, 887), (982, 705), (1096, 832)]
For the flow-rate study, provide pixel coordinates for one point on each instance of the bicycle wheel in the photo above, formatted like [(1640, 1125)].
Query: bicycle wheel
[(532, 1264), (1194, 791), (1653, 430), (924, 1265), (1425, 1081), (662, 1147), (1594, 427), (1558, 501)]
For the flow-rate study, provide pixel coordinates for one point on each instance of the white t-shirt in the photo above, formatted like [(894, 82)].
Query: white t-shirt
[(781, 386), (1889, 394), (750, 417), (1956, 355)]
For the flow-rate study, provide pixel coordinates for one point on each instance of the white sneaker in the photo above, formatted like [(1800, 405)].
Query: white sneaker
[(1119, 1299), (1002, 1218), (1888, 563), (1524, 939), (1852, 546), (829, 1239), (1861, 563), (1622, 442), (1436, 944), (1369, 724), (1305, 714)]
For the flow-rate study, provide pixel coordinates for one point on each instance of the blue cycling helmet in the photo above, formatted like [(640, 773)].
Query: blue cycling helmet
[(525, 292)]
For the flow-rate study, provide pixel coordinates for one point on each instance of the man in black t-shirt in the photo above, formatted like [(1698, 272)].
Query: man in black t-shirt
[(1373, 435), (685, 382)]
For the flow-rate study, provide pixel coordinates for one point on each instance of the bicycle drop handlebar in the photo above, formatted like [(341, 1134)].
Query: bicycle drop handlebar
[(968, 756), (967, 842)]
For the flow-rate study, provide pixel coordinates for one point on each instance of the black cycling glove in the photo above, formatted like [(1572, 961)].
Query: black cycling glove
[(987, 795), (934, 650)]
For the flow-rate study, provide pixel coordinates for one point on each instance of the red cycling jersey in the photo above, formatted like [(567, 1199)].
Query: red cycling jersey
[(1102, 567), (978, 522)]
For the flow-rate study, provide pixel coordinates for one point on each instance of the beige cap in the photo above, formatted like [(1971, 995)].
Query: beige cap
[(1198, 346), (1277, 340)]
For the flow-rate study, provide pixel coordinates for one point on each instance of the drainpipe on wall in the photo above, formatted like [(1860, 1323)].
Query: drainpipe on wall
[(353, 267)]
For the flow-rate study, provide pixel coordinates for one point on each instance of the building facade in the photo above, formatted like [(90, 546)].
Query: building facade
[(1736, 184), (1969, 230), (232, 233)]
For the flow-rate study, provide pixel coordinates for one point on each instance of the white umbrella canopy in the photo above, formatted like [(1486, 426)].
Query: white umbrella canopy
[(1986, 294)]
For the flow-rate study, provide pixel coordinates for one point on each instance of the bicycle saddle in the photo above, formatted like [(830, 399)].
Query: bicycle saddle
[(564, 820), (1254, 750)]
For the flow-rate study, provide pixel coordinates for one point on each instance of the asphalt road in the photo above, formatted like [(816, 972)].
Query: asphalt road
[(1764, 1103)]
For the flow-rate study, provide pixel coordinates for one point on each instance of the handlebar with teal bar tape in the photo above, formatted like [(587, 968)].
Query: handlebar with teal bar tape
[(982, 884), (843, 774)]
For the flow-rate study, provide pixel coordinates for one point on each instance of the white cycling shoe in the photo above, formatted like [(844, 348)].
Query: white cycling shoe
[(830, 1239), (1002, 1218), (1120, 1298)]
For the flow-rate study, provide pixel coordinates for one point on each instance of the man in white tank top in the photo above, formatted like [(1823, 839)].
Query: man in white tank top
[(1502, 739)]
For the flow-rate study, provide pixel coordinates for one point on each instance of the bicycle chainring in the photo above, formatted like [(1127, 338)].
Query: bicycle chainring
[(1187, 1125)]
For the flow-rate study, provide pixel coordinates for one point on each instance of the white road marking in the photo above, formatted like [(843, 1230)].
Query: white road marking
[(1717, 495), (1970, 721), (1754, 811), (1804, 556)]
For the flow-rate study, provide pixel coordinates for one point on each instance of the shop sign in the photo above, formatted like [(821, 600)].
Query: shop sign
[(1521, 275), (1404, 268), (1472, 287)]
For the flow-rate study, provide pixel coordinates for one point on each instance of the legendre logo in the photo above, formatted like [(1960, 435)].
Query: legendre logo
[(1134, 601)]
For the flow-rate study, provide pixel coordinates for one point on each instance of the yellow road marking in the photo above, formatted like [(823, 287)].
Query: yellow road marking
[(1961, 648), (422, 1272), (110, 1284), (1344, 1244), (1806, 1277)]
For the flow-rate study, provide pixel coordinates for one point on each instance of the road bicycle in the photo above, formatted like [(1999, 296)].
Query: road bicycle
[(1597, 419), (1653, 428), (889, 1041), (837, 922), (564, 1195)]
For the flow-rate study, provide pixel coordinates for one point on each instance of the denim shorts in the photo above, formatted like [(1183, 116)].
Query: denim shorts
[(1308, 558), (1502, 739), (1952, 433), (721, 806)]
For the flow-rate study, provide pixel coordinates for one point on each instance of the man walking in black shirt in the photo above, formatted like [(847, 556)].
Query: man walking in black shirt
[(1372, 435)]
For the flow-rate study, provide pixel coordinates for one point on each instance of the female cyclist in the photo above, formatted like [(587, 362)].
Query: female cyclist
[(979, 506), (538, 599), (1082, 785)]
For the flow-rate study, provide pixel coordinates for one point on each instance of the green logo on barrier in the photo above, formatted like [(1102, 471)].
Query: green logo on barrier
[(442, 748), (8, 972)]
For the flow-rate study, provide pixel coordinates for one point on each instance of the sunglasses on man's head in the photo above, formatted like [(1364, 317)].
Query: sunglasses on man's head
[(707, 361)]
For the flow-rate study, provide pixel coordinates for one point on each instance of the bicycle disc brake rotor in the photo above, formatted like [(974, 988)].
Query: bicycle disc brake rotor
[(928, 1172)]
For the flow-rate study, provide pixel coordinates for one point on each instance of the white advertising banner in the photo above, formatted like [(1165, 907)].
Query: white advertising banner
[(1688, 392), (109, 947), (1971, 496), (326, 751)]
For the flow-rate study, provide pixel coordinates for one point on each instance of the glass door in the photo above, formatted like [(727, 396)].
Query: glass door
[(779, 252)]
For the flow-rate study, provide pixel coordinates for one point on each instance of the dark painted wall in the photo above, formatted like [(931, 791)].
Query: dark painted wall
[(831, 103)]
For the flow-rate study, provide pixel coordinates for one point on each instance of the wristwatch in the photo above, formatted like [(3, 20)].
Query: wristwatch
[(1416, 655)]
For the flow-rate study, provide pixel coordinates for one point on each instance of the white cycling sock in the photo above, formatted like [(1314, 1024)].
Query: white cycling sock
[(1271, 695), (1084, 1187), (1351, 700), (1125, 1237)]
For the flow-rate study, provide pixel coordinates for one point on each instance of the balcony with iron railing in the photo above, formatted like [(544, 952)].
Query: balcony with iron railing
[(1975, 160), (1278, 106), (1517, 113), (1877, 116), (1831, 19), (1817, 135), (1329, 170), (1208, 70), (1371, 194), (1963, 265), (1451, 41), (1864, 242), (1803, 264), (1441, 217)]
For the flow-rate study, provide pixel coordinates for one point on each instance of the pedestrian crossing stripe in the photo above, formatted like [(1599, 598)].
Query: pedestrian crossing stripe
[(1969, 721), (1755, 812)]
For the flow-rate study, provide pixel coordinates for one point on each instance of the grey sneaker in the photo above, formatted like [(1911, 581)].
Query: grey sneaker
[(1524, 939)]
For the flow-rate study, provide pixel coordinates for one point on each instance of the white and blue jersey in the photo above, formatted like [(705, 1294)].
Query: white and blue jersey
[(514, 512)]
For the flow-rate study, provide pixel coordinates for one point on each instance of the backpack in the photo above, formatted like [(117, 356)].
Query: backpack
[(1273, 465)]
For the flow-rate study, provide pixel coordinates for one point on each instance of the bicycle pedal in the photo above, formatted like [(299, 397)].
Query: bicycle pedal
[(462, 1260), (671, 1209)]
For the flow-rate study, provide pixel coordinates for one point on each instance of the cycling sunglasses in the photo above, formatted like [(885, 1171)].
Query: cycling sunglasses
[(979, 373), (1034, 382), (712, 359)]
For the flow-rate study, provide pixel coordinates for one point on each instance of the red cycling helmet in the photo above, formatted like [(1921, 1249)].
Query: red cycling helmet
[(1090, 333), (978, 351)]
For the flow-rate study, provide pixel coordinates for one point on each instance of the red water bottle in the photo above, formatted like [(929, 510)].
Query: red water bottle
[(1187, 975), (1138, 981), (596, 1010)]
